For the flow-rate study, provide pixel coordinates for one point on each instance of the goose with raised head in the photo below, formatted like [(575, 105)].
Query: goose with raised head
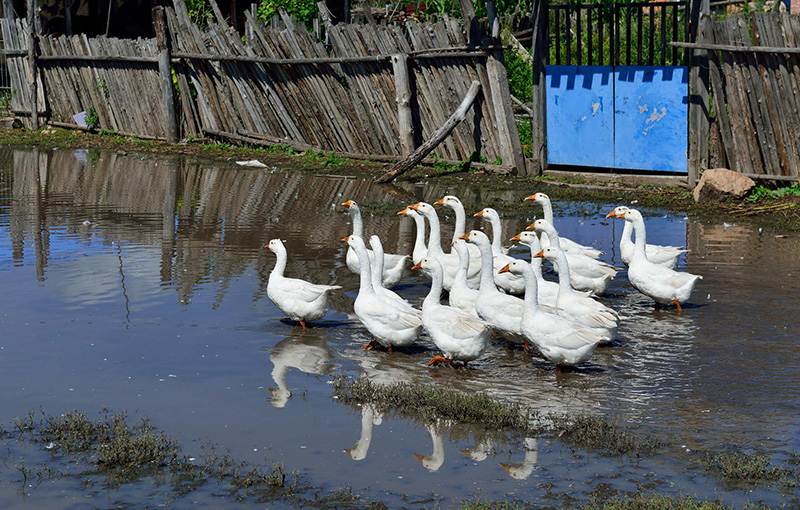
[(666, 256), (460, 228), (510, 283), (560, 340), (461, 294), (459, 335), (376, 270), (449, 261), (300, 300), (576, 307), (394, 265), (502, 311), (567, 245), (420, 249), (586, 273), (663, 285), (391, 323)]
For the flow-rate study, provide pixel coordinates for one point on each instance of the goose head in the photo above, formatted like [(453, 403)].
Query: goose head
[(540, 225), (475, 237), (618, 212), (487, 213), (539, 198), (276, 246), (354, 241), (449, 201), (548, 253), (423, 208), (514, 267), (526, 237)]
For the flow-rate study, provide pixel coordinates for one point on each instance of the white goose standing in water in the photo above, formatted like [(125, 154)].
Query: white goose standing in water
[(300, 300), (392, 324), (420, 249), (661, 284), (394, 265)]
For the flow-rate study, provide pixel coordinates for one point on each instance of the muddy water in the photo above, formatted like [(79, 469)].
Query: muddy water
[(139, 284)]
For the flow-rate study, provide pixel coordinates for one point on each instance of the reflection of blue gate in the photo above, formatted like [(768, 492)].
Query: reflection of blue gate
[(631, 113)]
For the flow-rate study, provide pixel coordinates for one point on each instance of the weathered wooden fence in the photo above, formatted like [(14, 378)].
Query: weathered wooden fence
[(753, 66), (375, 91)]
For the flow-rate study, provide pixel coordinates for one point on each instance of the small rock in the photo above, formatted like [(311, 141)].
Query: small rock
[(10, 123), (722, 184)]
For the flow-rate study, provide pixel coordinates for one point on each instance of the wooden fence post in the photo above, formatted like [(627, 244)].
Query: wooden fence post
[(402, 88), (698, 97), (539, 93), (470, 22), (32, 60), (165, 73), (505, 123)]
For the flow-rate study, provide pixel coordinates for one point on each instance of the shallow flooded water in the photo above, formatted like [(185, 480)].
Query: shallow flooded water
[(138, 283)]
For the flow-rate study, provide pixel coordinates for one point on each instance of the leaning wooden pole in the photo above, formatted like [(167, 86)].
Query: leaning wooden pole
[(165, 73), (698, 96), (440, 134), (34, 67)]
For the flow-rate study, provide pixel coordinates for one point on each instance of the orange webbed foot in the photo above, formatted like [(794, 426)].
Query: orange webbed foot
[(439, 359)]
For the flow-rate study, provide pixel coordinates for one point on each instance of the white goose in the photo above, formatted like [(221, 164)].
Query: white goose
[(576, 307), (586, 273), (522, 470), (663, 285), (511, 283), (300, 300), (502, 311), (666, 256), (449, 261), (561, 341), (391, 323), (420, 250), (394, 264), (459, 335), (435, 459), (567, 245), (376, 270), (461, 222), (462, 295)]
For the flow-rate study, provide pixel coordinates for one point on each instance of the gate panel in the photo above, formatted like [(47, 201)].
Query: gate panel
[(650, 121), (580, 124)]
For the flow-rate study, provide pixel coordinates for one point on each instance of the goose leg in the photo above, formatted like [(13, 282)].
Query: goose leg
[(372, 345), (303, 323), (675, 300), (439, 359)]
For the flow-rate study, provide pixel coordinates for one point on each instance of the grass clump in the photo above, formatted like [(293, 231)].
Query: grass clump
[(598, 434), (739, 467), (429, 402), (761, 192), (653, 501)]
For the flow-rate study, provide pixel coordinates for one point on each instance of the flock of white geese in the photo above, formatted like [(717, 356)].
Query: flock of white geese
[(562, 320)]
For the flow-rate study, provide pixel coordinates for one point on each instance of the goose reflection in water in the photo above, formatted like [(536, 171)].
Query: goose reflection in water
[(522, 470), (369, 418), (306, 351), (482, 449), (434, 460)]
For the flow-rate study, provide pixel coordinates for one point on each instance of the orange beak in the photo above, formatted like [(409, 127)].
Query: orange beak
[(418, 265), (464, 237), (504, 269), (507, 467), (516, 238), (611, 214), (419, 457), (439, 202), (415, 206), (345, 239), (347, 450), (531, 197), (620, 216), (347, 204), (266, 246), (539, 255), (404, 212), (532, 226), (478, 214)]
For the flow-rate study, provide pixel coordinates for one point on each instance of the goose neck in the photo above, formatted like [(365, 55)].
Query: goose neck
[(358, 222)]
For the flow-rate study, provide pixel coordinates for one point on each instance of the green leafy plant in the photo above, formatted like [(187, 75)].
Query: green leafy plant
[(303, 10), (91, 119), (102, 86), (762, 192)]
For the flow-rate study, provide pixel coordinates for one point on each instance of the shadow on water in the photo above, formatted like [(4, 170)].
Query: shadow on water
[(140, 283)]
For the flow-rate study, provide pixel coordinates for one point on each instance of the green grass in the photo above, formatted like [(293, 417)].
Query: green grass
[(761, 192)]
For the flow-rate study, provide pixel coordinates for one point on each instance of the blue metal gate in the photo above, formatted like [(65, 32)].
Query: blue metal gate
[(631, 110)]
